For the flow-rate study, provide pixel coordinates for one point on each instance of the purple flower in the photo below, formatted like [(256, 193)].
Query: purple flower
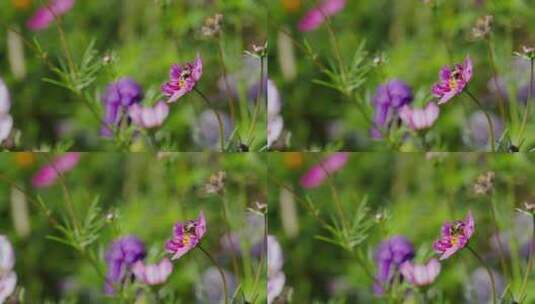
[(182, 79), (452, 81), (476, 132), (420, 274), (275, 122), (478, 288), (47, 175), (117, 99), (206, 129), (6, 121), (388, 100), (44, 16), (8, 278), (148, 117), (120, 257), (186, 236), (418, 119), (209, 289), (454, 236), (316, 16), (389, 256), (318, 173), (275, 260), (153, 274)]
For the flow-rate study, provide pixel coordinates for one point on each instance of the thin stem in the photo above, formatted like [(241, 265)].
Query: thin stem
[(498, 239), (501, 99), (530, 262), (225, 80), (489, 120), (491, 276), (228, 235), (257, 104), (211, 258), (219, 120), (527, 109)]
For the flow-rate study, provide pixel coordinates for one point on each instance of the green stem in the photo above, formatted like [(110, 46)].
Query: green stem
[(219, 120), (501, 99), (257, 104), (211, 258), (498, 239), (225, 78), (491, 276), (527, 109), (489, 120), (530, 262)]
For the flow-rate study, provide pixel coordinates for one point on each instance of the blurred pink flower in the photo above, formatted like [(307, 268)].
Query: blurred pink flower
[(6, 121), (316, 16), (47, 175), (318, 173), (454, 236), (44, 16), (420, 274), (149, 117), (182, 79), (418, 119), (8, 278), (186, 236), (153, 274)]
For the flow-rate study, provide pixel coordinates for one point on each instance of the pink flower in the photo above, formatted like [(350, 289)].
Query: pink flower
[(182, 79), (8, 278), (418, 119), (44, 16), (420, 274), (6, 121), (318, 173), (149, 117), (454, 236), (48, 174), (186, 236), (153, 274), (453, 82), (316, 16)]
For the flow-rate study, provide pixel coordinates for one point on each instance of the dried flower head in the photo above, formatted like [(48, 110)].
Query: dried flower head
[(483, 27), (212, 26), (527, 52), (484, 183), (215, 183)]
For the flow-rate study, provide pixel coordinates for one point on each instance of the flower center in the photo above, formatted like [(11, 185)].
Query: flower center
[(186, 239), (456, 231)]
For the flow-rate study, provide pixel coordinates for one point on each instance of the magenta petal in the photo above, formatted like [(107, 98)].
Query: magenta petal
[(44, 16)]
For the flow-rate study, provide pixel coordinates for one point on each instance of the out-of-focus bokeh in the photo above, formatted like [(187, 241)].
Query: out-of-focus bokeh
[(61, 225), (99, 42)]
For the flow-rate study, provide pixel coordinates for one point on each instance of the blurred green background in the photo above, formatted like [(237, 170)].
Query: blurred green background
[(409, 194), (405, 39), (139, 194), (143, 38)]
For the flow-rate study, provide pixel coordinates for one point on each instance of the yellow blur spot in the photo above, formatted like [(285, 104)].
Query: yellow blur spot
[(291, 5), (293, 160), (21, 4), (24, 159)]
